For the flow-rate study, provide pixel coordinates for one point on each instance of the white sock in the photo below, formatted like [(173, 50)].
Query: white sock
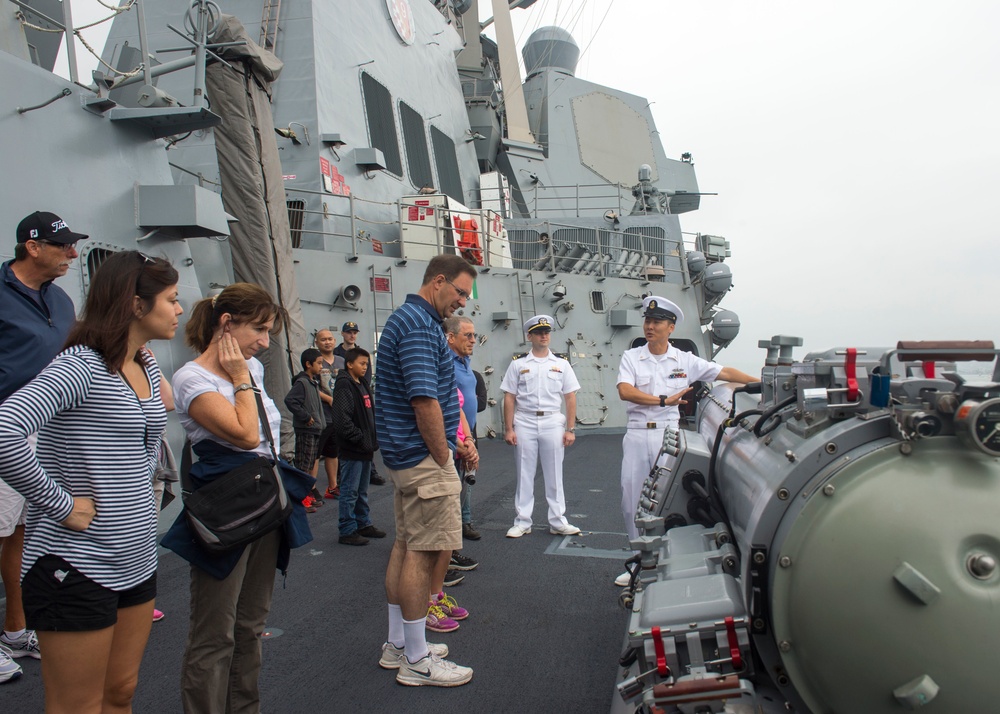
[(416, 639), (14, 634), (396, 636)]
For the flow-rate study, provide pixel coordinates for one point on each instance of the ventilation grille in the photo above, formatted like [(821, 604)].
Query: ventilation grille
[(95, 259), (296, 214)]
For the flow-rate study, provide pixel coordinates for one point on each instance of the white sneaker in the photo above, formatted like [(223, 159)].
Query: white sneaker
[(566, 530), (432, 671), (9, 669), (623, 580), (24, 646), (517, 531), (391, 655)]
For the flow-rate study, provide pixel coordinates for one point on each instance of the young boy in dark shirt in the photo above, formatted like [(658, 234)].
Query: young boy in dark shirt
[(354, 424), (308, 421)]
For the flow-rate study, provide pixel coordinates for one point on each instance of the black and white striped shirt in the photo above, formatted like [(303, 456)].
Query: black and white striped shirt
[(97, 439)]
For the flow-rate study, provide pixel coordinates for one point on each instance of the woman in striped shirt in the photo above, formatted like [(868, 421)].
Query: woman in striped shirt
[(89, 565)]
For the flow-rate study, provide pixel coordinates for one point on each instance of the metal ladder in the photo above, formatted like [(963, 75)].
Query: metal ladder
[(526, 297), (269, 25), (382, 299)]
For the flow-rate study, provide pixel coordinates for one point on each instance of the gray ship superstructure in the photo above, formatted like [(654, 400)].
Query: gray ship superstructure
[(392, 150)]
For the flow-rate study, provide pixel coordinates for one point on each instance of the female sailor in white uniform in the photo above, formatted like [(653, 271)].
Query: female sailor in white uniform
[(535, 387)]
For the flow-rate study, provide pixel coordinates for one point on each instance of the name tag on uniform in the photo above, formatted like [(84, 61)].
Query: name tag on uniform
[(677, 374), (525, 371), (555, 369)]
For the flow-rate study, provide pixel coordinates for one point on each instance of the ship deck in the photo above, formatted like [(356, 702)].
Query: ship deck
[(544, 633)]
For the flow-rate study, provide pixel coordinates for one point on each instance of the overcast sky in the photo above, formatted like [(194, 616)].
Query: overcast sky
[(854, 146)]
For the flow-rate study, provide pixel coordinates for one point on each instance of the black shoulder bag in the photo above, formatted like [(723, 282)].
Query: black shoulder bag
[(242, 505)]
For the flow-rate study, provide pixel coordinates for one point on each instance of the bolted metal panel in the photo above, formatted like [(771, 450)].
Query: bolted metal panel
[(592, 372), (418, 160), (381, 122), (447, 165), (615, 161)]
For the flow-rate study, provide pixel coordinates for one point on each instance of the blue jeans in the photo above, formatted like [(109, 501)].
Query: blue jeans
[(464, 496), (353, 481)]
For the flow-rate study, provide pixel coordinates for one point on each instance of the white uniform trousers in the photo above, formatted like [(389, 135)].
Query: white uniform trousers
[(539, 438), (639, 450)]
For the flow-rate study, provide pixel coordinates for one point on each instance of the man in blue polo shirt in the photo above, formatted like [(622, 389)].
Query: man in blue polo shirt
[(416, 416), (35, 318), (461, 335)]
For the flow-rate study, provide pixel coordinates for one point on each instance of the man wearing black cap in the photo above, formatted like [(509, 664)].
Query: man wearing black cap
[(35, 317), (349, 336), (654, 379)]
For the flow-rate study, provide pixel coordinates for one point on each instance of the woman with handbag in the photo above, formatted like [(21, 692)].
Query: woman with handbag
[(220, 401), (89, 565)]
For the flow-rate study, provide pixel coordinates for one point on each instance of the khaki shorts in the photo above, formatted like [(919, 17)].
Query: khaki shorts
[(12, 510), (428, 511), (13, 507)]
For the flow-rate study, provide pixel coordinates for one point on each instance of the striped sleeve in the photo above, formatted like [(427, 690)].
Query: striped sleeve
[(417, 353), (61, 386)]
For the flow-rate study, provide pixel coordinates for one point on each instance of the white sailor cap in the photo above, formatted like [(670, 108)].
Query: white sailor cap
[(539, 323), (659, 308)]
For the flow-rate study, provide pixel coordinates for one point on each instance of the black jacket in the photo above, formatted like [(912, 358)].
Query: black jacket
[(354, 418)]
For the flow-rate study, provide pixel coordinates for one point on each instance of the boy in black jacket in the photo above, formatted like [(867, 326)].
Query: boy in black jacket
[(354, 425), (308, 421)]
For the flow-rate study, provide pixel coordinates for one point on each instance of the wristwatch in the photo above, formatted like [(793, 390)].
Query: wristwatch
[(242, 387), (571, 430), (663, 400)]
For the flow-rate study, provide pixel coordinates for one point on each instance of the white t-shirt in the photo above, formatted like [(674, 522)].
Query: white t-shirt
[(192, 380)]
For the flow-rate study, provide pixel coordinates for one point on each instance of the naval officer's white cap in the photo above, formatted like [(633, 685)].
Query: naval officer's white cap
[(659, 308), (539, 323)]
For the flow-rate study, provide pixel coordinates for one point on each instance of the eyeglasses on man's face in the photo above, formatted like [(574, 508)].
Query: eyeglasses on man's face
[(461, 293), (468, 335), (64, 247)]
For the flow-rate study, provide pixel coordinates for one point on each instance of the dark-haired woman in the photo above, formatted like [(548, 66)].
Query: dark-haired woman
[(230, 593), (89, 566)]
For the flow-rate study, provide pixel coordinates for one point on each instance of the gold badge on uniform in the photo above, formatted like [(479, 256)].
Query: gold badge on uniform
[(525, 371), (651, 305)]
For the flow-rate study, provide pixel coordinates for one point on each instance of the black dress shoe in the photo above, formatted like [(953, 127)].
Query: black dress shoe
[(376, 479)]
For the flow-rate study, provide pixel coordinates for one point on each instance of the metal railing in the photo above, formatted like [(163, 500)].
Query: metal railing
[(640, 252)]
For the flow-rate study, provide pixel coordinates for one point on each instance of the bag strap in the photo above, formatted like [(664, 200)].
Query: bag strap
[(264, 423), (187, 458)]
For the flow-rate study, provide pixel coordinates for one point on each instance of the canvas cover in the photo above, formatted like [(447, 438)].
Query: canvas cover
[(253, 191)]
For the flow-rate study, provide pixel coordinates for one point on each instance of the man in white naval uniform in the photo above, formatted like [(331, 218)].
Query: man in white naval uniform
[(653, 379), (535, 387)]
